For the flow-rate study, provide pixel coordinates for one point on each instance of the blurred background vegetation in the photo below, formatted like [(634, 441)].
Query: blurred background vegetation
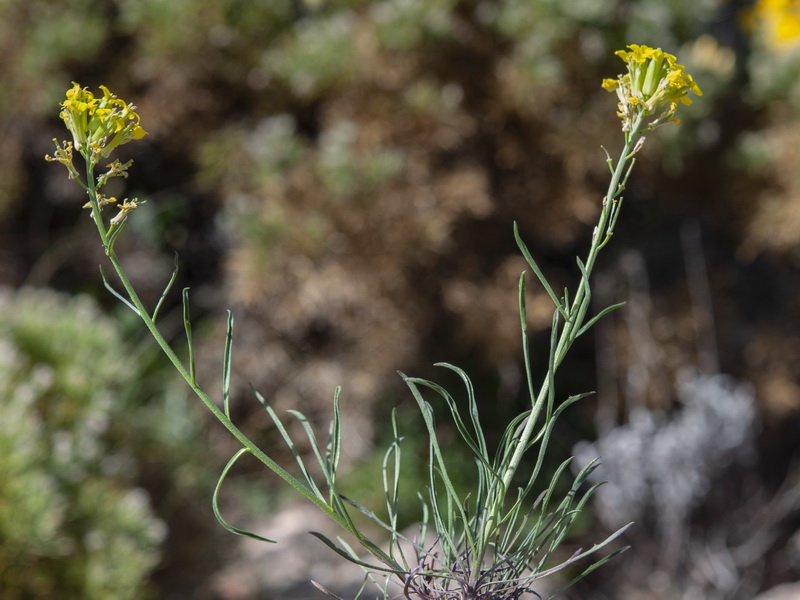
[(343, 175)]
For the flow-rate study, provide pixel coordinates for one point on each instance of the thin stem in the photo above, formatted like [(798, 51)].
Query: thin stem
[(575, 320), (176, 362), (91, 189)]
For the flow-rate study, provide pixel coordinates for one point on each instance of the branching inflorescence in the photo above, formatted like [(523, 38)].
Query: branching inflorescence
[(495, 541)]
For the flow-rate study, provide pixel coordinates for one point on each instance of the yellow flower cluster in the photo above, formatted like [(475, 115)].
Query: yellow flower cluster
[(99, 125), (654, 85)]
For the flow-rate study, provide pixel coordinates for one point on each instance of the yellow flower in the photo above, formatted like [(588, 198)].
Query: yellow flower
[(99, 125), (653, 85)]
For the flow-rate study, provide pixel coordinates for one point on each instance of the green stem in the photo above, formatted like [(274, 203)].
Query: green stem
[(176, 362), (575, 315), (575, 320)]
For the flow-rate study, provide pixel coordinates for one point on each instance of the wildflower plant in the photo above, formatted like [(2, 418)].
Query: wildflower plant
[(498, 539)]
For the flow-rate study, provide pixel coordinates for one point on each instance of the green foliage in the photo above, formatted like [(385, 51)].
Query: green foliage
[(71, 524)]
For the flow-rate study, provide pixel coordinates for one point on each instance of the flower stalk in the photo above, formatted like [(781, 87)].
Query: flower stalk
[(649, 93), (98, 126)]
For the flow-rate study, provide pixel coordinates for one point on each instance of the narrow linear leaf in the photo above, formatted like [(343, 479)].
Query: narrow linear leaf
[(569, 402), (628, 173), (478, 446), (590, 323), (552, 365), (166, 289), (226, 367), (544, 438), (114, 292), (390, 473), (188, 327), (335, 499), (545, 284), (473, 409), (369, 575), (609, 160), (215, 502), (525, 345), (375, 518), (334, 450), (587, 298), (312, 486), (325, 590), (113, 233), (455, 504), (312, 440), (579, 555), (523, 308), (614, 216), (353, 559)]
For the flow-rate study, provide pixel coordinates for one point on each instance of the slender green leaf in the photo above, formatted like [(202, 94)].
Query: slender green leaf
[(580, 555), (585, 301), (588, 570), (166, 290), (545, 284), (598, 316), (614, 216), (113, 233), (115, 293), (525, 345), (368, 575), (455, 504), (375, 519), (188, 327), (215, 502), (226, 367), (390, 472), (472, 405), (334, 445), (476, 444), (609, 160), (545, 434), (312, 440), (325, 590), (312, 485), (551, 368), (353, 559)]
